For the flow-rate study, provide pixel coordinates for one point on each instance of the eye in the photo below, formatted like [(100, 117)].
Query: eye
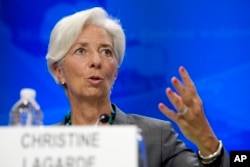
[(106, 52), (80, 51)]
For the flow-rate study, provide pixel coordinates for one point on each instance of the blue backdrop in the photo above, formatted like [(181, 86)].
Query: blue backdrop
[(210, 38)]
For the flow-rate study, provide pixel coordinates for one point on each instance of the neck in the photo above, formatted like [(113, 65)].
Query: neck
[(86, 113)]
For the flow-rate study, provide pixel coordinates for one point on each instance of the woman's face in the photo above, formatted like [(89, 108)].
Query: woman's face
[(90, 67)]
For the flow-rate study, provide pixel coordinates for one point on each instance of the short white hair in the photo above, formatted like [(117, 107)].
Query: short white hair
[(69, 28)]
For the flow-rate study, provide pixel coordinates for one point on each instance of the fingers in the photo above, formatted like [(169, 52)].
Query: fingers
[(190, 114), (185, 77), (182, 90), (186, 89), (185, 97), (188, 82), (175, 99), (168, 112)]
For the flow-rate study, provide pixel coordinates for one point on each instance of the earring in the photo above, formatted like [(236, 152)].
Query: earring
[(62, 82)]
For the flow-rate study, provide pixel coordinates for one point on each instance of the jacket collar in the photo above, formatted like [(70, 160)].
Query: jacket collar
[(120, 117)]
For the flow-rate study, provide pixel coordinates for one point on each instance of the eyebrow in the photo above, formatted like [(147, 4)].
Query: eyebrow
[(106, 45), (86, 44), (80, 44)]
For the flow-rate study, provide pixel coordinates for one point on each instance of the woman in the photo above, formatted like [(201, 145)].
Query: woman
[(84, 55)]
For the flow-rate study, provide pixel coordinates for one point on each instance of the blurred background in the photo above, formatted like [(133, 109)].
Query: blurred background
[(210, 38)]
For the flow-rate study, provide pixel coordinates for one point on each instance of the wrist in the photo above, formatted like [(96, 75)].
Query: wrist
[(208, 146), (208, 159)]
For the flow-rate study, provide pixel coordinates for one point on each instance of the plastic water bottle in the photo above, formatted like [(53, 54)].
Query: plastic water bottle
[(26, 111)]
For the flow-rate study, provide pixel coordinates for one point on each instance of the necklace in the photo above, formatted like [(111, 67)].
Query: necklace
[(68, 122)]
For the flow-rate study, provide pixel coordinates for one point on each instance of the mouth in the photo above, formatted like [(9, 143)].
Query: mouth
[(95, 79)]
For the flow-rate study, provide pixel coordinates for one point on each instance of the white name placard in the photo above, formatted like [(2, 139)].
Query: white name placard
[(88, 146)]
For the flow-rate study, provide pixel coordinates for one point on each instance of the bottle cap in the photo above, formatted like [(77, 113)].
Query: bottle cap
[(28, 93)]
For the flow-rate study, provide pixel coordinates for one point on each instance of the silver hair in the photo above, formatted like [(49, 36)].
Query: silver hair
[(69, 28)]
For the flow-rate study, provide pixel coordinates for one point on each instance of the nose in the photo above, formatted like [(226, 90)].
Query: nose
[(95, 60)]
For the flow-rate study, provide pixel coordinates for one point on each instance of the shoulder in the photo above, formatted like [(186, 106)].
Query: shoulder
[(143, 122), (148, 122)]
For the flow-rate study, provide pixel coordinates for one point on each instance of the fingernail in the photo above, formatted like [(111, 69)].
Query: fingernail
[(174, 80), (169, 91), (182, 69), (161, 105)]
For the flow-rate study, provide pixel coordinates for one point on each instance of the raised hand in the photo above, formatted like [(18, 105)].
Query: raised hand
[(189, 114)]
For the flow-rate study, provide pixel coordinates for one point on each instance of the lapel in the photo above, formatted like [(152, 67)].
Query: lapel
[(120, 118)]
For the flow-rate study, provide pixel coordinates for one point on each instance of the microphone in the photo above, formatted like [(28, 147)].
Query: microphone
[(104, 118)]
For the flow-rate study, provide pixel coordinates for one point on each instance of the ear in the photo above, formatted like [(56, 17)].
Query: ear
[(116, 73), (58, 73)]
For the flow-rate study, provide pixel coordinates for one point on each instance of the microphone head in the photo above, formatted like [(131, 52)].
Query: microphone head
[(104, 118)]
